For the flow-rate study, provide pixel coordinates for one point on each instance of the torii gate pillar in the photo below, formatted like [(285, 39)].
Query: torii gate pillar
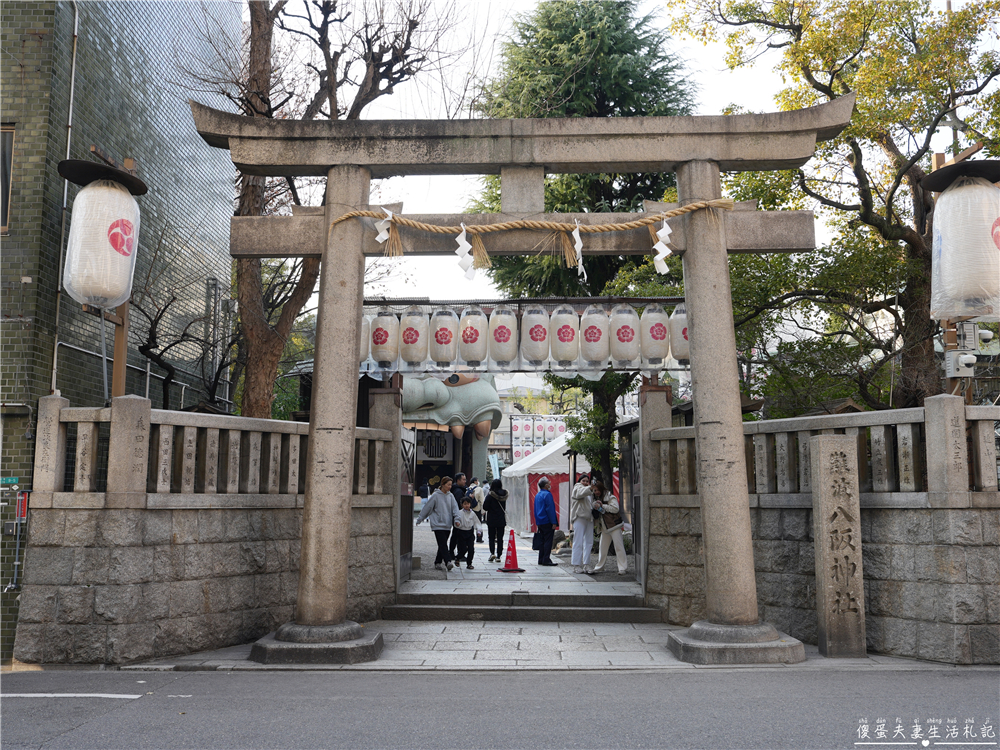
[(732, 634), (321, 632)]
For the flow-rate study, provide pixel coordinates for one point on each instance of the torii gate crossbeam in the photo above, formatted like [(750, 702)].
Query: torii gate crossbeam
[(522, 151)]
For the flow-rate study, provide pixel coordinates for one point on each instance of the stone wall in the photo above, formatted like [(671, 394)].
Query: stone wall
[(932, 577), (123, 104), (115, 586), (372, 561)]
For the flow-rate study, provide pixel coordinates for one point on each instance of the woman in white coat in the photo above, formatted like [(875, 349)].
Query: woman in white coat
[(610, 523), (581, 507)]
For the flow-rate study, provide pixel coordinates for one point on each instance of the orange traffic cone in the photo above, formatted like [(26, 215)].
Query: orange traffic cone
[(510, 563)]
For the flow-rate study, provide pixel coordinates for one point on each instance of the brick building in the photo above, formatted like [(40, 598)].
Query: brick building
[(118, 76)]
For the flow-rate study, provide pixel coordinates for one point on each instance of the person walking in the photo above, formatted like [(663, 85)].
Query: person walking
[(467, 521), (546, 520), (581, 512), (458, 489), (478, 496), (442, 514), (610, 523), (495, 507)]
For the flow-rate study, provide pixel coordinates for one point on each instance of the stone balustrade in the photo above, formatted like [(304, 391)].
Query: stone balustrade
[(162, 460), (940, 456), (168, 532), (930, 527)]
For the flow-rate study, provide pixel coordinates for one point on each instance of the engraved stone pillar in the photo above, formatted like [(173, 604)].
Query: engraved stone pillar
[(128, 452), (840, 592), (385, 413), (326, 518), (50, 451), (731, 590), (731, 633), (321, 633), (655, 408), (947, 453)]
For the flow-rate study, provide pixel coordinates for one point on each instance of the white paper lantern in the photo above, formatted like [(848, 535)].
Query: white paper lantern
[(595, 346), (516, 428), (535, 338), (503, 337), (625, 336), (365, 340), (538, 431), (517, 452), (564, 336), (550, 430), (385, 339), (444, 338), (102, 246), (679, 334), (965, 273), (413, 338), (527, 450), (560, 427), (655, 327), (474, 330)]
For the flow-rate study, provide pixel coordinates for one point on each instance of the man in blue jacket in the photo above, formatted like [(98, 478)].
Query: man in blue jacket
[(546, 520)]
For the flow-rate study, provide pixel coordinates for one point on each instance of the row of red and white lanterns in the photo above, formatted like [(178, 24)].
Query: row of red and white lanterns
[(537, 429), (529, 433), (418, 341)]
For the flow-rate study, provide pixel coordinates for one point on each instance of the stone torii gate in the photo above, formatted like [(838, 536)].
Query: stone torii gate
[(351, 153)]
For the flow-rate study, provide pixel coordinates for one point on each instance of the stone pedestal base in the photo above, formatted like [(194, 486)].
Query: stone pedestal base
[(708, 643), (344, 643)]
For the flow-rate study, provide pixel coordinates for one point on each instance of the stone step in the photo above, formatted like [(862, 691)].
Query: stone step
[(520, 599), (514, 613)]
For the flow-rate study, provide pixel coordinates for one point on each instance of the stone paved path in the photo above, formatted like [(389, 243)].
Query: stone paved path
[(425, 547), (528, 646)]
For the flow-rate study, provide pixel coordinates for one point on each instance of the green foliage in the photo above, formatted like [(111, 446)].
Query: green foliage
[(592, 429), (802, 375), (286, 398), (586, 59), (570, 58), (300, 346), (910, 66)]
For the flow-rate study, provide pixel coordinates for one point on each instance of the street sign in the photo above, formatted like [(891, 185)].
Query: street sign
[(10, 480)]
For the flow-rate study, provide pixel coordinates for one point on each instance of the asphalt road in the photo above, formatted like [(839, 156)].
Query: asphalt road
[(710, 708)]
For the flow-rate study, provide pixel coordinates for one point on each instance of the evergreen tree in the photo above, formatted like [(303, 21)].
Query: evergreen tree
[(570, 58)]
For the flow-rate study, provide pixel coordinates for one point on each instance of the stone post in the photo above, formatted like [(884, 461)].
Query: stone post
[(731, 588), (731, 634), (321, 632), (128, 452), (50, 451), (326, 517), (385, 413), (522, 190), (654, 413), (840, 593), (946, 452)]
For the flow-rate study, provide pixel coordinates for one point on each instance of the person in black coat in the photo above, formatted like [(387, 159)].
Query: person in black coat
[(495, 507), (459, 490)]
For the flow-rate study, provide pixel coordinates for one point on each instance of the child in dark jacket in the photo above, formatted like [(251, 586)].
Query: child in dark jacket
[(467, 522)]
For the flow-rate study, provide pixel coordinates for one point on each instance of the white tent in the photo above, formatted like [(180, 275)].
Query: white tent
[(521, 481)]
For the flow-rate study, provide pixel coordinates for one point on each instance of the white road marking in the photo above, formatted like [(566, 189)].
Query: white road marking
[(70, 695)]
